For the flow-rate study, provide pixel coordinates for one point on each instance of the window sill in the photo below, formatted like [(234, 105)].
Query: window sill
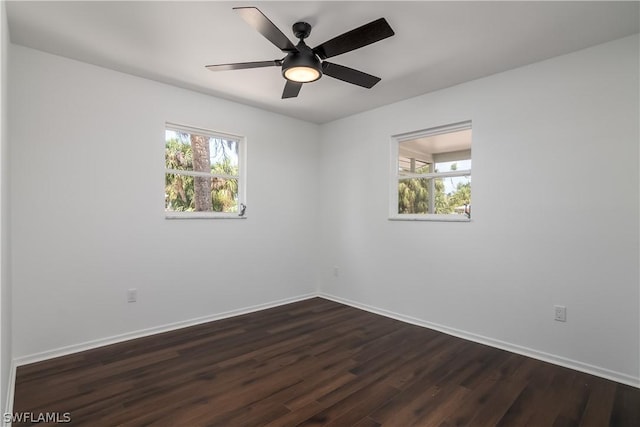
[(430, 217), (202, 215)]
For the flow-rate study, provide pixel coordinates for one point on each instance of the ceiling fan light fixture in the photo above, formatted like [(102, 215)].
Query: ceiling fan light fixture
[(302, 74), (301, 68)]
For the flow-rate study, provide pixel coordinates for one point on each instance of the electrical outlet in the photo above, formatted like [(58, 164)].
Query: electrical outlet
[(336, 271), (560, 313), (132, 295)]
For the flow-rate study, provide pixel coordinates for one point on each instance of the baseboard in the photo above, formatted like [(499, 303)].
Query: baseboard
[(513, 348), (76, 348), (11, 388)]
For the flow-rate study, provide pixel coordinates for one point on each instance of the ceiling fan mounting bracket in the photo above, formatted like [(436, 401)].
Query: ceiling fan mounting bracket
[(301, 30)]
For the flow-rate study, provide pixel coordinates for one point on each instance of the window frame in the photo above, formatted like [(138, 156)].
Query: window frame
[(241, 177), (395, 176)]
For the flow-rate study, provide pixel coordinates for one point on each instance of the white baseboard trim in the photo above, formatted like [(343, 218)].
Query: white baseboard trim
[(76, 348), (503, 345), (11, 388)]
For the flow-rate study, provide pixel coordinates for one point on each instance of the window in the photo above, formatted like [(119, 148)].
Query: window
[(431, 174), (204, 173)]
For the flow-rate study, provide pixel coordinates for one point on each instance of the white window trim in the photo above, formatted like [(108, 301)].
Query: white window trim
[(241, 177), (203, 174), (447, 174), (395, 176), (203, 215)]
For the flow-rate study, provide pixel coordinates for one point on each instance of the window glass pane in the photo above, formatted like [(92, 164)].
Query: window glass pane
[(450, 195), (413, 196), (185, 193), (457, 165), (460, 185), (223, 155), (224, 195), (202, 153), (411, 164), (177, 151), (178, 193)]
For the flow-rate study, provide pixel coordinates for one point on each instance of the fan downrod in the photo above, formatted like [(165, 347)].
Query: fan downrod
[(301, 30)]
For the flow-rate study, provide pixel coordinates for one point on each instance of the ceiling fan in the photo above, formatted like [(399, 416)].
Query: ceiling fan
[(303, 64)]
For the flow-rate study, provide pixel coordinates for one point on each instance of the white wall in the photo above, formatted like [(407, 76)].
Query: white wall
[(87, 202), (555, 212), (5, 284)]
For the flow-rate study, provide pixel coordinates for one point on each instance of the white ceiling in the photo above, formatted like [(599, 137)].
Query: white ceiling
[(437, 44)]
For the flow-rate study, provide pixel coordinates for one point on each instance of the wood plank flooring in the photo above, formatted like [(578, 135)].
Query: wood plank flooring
[(312, 363)]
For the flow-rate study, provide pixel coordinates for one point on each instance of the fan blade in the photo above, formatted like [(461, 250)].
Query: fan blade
[(291, 89), (264, 26), (243, 65), (349, 75), (355, 39)]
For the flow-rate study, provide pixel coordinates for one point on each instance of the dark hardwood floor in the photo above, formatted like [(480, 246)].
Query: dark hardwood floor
[(316, 362)]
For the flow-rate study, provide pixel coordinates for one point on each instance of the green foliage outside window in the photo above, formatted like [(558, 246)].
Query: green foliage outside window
[(180, 193), (413, 195)]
